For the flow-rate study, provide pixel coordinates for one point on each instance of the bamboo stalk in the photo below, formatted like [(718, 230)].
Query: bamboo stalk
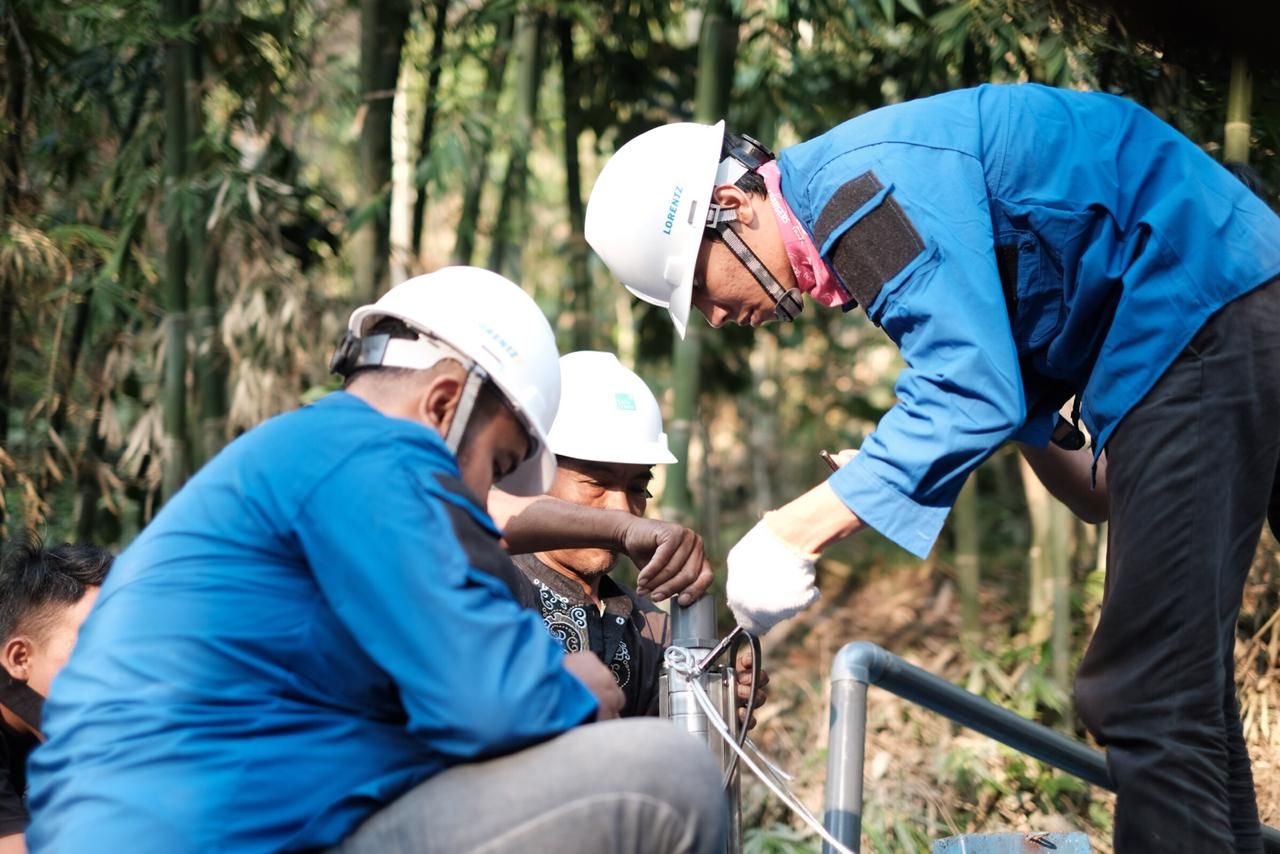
[(430, 109), (176, 261), (383, 24), (511, 225), (580, 302), (717, 46), (469, 220), (1235, 148)]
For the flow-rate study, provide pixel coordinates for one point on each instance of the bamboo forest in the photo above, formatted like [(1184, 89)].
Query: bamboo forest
[(195, 194)]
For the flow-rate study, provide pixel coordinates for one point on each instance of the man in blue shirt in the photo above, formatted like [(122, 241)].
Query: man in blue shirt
[(1022, 246), (316, 642)]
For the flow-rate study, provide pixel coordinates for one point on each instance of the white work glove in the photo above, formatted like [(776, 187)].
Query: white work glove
[(768, 581)]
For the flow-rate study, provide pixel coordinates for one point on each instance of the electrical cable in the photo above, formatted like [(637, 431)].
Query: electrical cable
[(682, 661), (730, 644), (750, 707)]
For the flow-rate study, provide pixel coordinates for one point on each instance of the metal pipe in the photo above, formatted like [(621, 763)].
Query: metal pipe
[(863, 663), (842, 807), (694, 628)]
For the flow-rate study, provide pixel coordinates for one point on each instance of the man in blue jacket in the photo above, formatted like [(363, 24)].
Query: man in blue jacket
[(1022, 246), (316, 643)]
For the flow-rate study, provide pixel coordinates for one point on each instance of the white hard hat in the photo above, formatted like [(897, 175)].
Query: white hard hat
[(488, 320), (648, 212), (607, 414)]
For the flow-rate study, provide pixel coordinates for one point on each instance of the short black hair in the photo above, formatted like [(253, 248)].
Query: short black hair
[(34, 581), (752, 184)]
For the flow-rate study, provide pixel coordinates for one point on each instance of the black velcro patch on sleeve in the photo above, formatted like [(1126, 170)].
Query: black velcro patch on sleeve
[(875, 248), (843, 202)]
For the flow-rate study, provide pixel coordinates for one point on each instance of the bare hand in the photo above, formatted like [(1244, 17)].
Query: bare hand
[(670, 558), (742, 676), (599, 681)]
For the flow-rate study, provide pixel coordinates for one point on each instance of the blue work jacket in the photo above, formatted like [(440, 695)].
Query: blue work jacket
[(319, 620), (1020, 244)]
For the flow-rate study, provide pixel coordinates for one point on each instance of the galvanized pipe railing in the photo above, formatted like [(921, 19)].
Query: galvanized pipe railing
[(861, 664)]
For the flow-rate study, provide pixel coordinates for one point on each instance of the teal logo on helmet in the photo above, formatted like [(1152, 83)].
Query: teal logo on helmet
[(499, 340), (672, 208), (625, 402)]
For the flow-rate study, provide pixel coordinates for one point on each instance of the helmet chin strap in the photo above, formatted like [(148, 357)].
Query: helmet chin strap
[(466, 403), (787, 304)]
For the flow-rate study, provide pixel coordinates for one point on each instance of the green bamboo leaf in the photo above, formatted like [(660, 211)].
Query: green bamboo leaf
[(96, 240), (951, 19), (1054, 65), (913, 7)]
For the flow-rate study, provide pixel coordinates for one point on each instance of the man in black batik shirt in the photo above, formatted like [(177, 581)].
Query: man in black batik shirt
[(607, 437), (602, 616)]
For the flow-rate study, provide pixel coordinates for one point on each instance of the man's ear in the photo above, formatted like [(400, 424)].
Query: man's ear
[(733, 196), (439, 401), (17, 657)]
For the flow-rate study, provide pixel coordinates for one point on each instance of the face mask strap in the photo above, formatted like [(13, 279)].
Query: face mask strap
[(21, 699)]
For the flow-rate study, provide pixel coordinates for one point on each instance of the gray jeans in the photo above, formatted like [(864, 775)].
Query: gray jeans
[(628, 786)]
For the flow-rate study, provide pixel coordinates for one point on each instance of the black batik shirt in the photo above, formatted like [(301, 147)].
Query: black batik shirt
[(630, 636)]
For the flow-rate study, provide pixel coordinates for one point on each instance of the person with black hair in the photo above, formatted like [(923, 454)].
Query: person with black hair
[(1021, 246), (45, 594), (608, 436), (316, 645)]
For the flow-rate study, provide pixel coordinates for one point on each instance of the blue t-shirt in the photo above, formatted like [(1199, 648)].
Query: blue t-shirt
[(1109, 236), (319, 620)]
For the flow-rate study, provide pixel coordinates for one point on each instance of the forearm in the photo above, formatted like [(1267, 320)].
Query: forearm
[(771, 569), (543, 523), (14, 843), (1068, 475), (814, 520)]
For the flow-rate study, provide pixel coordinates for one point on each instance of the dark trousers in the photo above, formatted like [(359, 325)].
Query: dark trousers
[(1190, 471)]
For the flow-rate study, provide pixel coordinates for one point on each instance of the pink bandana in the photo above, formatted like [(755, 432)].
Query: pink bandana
[(812, 274)]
